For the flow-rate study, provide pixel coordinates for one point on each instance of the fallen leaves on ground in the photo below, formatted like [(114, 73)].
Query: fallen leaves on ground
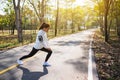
[(107, 57)]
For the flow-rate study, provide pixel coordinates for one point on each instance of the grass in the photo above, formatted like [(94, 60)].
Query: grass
[(10, 41)]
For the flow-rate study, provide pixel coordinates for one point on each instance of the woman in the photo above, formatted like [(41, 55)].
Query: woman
[(40, 44)]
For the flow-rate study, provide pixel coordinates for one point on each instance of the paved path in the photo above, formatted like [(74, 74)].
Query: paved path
[(69, 60)]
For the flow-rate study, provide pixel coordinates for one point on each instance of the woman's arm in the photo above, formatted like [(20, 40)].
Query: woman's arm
[(45, 41)]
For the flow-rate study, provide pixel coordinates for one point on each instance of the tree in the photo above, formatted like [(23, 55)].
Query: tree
[(18, 21), (117, 17), (104, 8), (107, 4), (40, 9), (56, 22), (100, 14)]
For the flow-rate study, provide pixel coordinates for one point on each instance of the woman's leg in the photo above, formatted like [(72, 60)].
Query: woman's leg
[(33, 52), (48, 55)]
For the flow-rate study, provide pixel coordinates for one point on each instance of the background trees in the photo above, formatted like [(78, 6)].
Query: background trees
[(18, 19), (108, 13), (63, 16)]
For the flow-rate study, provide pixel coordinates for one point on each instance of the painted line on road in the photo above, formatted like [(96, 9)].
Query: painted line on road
[(90, 70), (7, 69), (13, 66), (92, 74)]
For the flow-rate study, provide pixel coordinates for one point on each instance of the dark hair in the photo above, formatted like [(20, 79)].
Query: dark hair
[(44, 25)]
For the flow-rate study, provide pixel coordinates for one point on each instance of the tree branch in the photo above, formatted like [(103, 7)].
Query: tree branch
[(35, 9)]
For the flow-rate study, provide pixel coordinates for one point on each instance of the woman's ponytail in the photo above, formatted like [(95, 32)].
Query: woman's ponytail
[(44, 25)]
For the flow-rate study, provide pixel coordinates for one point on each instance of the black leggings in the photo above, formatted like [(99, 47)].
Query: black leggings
[(34, 51)]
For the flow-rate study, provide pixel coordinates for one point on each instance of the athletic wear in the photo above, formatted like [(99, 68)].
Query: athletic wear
[(41, 40), (46, 64), (40, 44), (34, 51), (19, 62)]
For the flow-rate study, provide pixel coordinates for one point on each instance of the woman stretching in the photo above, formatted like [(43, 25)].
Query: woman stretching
[(40, 44)]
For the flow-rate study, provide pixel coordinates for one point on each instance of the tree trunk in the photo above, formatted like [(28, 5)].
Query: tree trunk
[(79, 27), (56, 23), (118, 27), (42, 11), (13, 28), (106, 32), (66, 13), (107, 4), (100, 19), (18, 20), (101, 25), (72, 22), (117, 21)]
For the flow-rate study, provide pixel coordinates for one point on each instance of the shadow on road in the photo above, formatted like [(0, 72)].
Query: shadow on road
[(79, 64), (68, 43), (28, 75)]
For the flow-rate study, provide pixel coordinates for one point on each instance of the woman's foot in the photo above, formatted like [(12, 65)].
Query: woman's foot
[(19, 62), (46, 64)]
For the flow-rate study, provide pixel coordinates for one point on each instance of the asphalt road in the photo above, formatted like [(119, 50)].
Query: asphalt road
[(69, 60)]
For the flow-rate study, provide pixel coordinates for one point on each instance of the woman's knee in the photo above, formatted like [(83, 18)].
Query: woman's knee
[(50, 52)]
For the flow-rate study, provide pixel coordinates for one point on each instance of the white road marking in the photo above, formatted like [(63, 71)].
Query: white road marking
[(90, 70)]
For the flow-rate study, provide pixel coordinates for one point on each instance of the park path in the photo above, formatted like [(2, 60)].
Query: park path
[(69, 60)]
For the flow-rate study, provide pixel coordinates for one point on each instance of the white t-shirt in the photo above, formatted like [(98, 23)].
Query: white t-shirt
[(40, 44)]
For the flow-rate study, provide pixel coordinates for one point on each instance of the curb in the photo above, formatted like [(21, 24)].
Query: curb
[(92, 70)]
